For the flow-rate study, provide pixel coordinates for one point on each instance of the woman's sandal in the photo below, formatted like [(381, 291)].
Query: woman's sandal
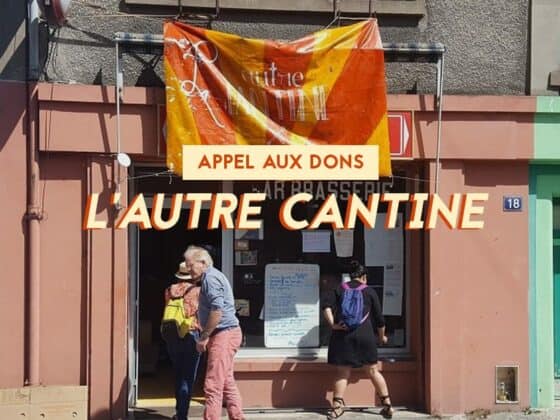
[(387, 410), (337, 410)]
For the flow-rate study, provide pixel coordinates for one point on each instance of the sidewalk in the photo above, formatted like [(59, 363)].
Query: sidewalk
[(351, 414)]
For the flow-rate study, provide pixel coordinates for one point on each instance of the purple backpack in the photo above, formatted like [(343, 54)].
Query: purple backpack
[(352, 306)]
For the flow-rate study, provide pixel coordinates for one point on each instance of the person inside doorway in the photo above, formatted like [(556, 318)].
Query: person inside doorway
[(182, 350), (220, 335), (352, 343)]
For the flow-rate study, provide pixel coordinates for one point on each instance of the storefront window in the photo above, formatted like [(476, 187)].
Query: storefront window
[(382, 250)]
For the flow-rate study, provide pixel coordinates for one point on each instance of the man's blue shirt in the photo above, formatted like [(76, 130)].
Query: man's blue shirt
[(216, 294)]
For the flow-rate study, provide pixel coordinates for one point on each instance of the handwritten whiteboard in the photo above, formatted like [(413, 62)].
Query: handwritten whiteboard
[(291, 305)]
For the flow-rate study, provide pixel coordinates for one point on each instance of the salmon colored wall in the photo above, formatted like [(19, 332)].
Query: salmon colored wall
[(63, 125), (296, 383), (107, 272), (474, 127), (475, 135), (66, 111), (478, 292), (84, 275), (63, 288), (485, 268), (83, 118), (12, 227), (84, 284)]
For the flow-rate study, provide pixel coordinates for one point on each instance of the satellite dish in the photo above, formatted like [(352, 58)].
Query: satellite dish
[(123, 159), (56, 11)]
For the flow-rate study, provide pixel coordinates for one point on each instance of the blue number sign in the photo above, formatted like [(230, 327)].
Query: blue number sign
[(512, 203)]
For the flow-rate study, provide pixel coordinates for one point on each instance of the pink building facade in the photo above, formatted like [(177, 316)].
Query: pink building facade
[(69, 306)]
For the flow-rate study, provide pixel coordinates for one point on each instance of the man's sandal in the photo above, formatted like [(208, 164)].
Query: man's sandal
[(337, 410), (387, 410)]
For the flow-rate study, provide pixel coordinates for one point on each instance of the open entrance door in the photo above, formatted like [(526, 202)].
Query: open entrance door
[(155, 257), (159, 254)]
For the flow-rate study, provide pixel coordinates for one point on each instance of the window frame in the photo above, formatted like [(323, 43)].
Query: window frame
[(404, 352)]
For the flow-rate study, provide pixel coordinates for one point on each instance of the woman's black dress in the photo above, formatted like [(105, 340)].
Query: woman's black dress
[(358, 347)]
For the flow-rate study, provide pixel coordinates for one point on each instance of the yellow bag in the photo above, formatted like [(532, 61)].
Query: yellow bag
[(174, 322)]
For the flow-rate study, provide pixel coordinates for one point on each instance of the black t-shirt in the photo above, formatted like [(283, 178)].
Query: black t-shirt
[(333, 300)]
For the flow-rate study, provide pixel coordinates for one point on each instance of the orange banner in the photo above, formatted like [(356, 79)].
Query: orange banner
[(325, 88)]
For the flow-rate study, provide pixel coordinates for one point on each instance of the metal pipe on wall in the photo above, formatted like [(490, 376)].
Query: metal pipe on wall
[(33, 13), (33, 212), (439, 99)]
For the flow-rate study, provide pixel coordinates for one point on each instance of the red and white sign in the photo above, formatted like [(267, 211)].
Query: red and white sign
[(400, 133)]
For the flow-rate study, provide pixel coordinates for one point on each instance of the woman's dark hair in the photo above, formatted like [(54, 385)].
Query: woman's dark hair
[(357, 270)]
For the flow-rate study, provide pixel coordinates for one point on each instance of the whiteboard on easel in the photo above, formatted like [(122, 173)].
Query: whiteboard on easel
[(291, 305)]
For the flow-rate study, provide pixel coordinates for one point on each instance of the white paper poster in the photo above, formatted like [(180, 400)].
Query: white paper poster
[(344, 242), (291, 305), (383, 246), (392, 289), (318, 241)]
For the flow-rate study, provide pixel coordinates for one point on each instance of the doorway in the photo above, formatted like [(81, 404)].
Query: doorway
[(159, 255), (155, 257)]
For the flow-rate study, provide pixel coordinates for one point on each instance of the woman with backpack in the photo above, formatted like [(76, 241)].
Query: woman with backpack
[(349, 310), (181, 339)]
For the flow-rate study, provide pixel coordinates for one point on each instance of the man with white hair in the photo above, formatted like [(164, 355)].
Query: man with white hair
[(220, 335)]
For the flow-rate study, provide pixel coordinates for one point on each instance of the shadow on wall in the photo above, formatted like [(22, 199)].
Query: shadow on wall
[(452, 134), (114, 410), (480, 174), (13, 102), (301, 384), (13, 40), (149, 414), (297, 384), (305, 381)]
